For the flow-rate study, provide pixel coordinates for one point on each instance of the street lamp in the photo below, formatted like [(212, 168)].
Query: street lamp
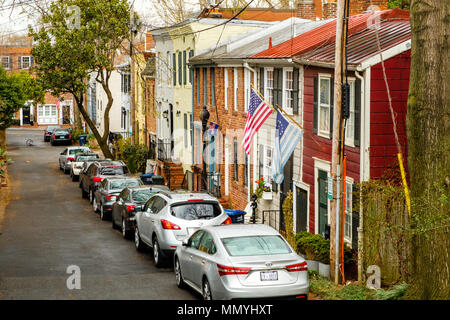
[(204, 117)]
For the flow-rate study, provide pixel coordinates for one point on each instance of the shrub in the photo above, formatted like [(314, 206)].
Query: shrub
[(76, 134), (134, 155)]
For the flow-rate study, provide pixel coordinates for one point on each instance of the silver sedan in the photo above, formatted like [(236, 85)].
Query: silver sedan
[(240, 261)]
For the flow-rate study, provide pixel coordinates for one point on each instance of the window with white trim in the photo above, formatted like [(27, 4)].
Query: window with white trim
[(225, 79), (265, 163), (348, 211), (324, 106), (6, 62), (25, 62), (268, 94), (350, 123), (169, 67), (247, 88), (288, 89), (300, 94)]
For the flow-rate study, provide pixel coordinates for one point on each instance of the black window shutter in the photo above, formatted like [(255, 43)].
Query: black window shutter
[(357, 127), (174, 69), (331, 106), (184, 68), (316, 104), (180, 69), (191, 73), (31, 61), (277, 86), (355, 216), (295, 91), (19, 61), (261, 80)]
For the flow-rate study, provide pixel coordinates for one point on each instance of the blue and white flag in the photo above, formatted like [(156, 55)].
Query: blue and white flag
[(287, 135)]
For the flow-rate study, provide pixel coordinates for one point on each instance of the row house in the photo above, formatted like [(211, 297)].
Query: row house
[(174, 99), (16, 57), (230, 92), (298, 75)]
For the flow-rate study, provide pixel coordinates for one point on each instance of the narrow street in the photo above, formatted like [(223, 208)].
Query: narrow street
[(47, 227)]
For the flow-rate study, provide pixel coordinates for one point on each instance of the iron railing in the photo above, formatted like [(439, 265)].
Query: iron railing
[(194, 181), (164, 150), (272, 218)]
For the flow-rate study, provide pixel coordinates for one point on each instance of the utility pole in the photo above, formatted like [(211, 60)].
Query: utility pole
[(336, 145), (132, 78)]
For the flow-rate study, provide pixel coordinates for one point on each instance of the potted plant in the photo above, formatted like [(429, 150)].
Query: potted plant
[(267, 193), (263, 191), (324, 258), (307, 246)]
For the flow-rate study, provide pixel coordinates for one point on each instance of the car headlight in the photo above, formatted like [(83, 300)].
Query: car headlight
[(132, 218)]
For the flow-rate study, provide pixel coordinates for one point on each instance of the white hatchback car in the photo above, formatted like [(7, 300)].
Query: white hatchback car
[(68, 155), (241, 261), (168, 218)]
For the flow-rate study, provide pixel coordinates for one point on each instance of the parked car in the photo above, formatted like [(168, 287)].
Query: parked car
[(61, 135), (130, 201), (68, 156), (77, 165), (86, 165), (108, 191), (241, 261), (48, 132), (168, 218), (92, 176)]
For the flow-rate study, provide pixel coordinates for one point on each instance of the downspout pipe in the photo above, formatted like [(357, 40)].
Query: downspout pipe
[(362, 150), (246, 66)]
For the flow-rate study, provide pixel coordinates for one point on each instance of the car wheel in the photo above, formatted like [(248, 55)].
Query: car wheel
[(74, 177), (178, 275), (91, 196), (65, 170), (84, 194), (102, 213), (125, 232), (114, 226), (140, 246), (157, 254), (94, 205), (206, 290)]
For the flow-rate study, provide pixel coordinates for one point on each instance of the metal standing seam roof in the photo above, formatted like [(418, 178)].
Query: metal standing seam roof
[(326, 34), (261, 40), (363, 45)]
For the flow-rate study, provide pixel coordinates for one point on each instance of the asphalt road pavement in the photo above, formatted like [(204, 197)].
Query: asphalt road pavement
[(48, 227)]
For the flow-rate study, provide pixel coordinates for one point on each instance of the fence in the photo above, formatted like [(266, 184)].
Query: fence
[(272, 218), (193, 181), (386, 231), (164, 150)]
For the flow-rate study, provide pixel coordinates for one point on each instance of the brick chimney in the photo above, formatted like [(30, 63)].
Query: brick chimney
[(327, 9)]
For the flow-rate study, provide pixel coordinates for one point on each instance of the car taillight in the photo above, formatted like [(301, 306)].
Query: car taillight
[(46, 132), (131, 208), (195, 199), (110, 196), (53, 136), (98, 179), (224, 270), (69, 159), (297, 267), (70, 136), (227, 221), (169, 225)]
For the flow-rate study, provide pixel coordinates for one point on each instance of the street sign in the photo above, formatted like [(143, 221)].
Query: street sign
[(330, 187)]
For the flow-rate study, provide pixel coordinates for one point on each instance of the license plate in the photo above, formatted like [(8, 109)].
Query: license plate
[(269, 276), (61, 137)]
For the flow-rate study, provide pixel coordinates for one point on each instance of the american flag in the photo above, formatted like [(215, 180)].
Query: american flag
[(213, 128), (287, 135), (258, 112)]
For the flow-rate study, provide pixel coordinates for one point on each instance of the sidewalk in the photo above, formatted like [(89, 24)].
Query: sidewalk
[(37, 127)]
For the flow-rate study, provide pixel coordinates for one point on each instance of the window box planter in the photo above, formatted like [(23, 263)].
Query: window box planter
[(267, 195), (324, 270)]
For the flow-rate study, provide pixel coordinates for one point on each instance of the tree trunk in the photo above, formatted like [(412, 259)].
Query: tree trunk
[(101, 142), (3, 139), (428, 149)]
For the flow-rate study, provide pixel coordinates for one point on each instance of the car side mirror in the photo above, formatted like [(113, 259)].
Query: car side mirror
[(185, 242), (142, 207)]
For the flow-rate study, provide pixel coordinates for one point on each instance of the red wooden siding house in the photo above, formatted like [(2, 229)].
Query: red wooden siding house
[(369, 143)]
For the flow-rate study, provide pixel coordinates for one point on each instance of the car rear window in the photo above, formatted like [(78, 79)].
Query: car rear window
[(75, 151), (143, 195), (113, 170), (255, 245), (196, 211), (85, 158), (122, 184)]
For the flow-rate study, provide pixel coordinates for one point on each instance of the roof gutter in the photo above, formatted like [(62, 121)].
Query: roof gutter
[(329, 65)]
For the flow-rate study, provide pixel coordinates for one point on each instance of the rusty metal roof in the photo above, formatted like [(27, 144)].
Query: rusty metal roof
[(326, 35), (363, 45)]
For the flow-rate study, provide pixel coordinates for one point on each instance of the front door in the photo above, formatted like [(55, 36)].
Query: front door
[(26, 115), (66, 114), (323, 200), (301, 209)]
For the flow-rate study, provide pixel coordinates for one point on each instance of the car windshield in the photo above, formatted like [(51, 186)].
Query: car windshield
[(122, 184), (113, 170), (255, 245), (195, 211), (143, 195), (85, 158), (75, 151), (60, 131)]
